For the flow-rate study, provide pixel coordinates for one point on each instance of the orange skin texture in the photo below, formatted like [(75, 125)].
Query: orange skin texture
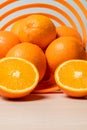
[(12, 95), (37, 29), (7, 41), (16, 26), (67, 31), (63, 49), (32, 53)]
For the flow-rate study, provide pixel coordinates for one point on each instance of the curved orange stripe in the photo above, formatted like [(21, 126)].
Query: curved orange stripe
[(78, 2), (84, 10), (40, 6), (6, 3), (25, 15), (77, 16)]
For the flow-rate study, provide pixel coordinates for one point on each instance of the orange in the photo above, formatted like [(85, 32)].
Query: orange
[(47, 84), (85, 55), (68, 31), (7, 41), (18, 77), (16, 27), (31, 53), (37, 29), (71, 76), (62, 49)]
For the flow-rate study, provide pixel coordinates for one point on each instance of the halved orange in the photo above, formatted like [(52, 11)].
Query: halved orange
[(18, 77), (71, 76)]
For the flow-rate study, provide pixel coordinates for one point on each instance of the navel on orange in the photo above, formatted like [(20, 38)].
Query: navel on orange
[(18, 77), (71, 76)]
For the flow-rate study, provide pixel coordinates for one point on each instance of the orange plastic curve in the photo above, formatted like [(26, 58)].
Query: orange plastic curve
[(40, 5), (25, 15), (63, 2)]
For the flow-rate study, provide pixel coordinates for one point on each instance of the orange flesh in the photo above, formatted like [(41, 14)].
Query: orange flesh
[(16, 75), (74, 75)]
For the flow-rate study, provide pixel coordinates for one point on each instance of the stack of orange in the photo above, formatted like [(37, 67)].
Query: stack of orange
[(32, 54)]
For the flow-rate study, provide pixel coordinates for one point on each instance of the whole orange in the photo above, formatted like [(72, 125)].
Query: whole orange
[(32, 53), (62, 49), (37, 29), (67, 31), (16, 27), (7, 41)]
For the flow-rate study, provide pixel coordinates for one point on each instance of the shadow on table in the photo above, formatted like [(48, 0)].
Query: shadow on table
[(76, 98), (30, 97)]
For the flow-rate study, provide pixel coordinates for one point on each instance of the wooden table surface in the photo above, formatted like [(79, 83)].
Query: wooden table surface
[(43, 112)]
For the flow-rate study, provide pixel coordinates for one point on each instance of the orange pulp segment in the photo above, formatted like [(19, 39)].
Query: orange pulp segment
[(18, 77), (71, 76)]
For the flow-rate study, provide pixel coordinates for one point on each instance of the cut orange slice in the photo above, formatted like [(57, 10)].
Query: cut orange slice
[(18, 77), (71, 76)]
